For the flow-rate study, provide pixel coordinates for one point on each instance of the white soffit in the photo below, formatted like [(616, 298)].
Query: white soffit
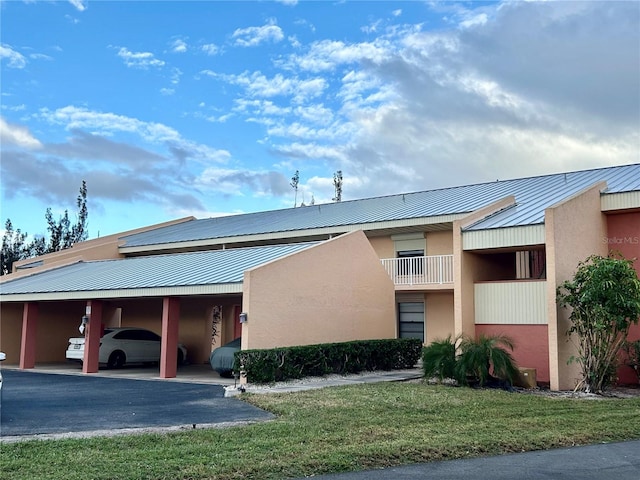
[(620, 201), (503, 237)]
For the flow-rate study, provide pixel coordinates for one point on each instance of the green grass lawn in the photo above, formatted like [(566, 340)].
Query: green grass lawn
[(337, 429)]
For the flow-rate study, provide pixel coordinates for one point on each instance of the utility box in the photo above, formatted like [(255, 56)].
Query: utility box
[(526, 378)]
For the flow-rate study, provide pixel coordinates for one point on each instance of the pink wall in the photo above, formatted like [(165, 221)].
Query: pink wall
[(623, 236), (335, 291), (530, 342)]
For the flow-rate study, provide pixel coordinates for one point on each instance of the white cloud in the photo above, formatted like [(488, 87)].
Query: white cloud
[(327, 55), (167, 91), (258, 85), (476, 20), (79, 5), (254, 36), (15, 59), (178, 46), (17, 135), (211, 49), (40, 56), (142, 60)]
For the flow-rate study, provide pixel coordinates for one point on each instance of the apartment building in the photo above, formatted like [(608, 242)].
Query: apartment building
[(484, 258)]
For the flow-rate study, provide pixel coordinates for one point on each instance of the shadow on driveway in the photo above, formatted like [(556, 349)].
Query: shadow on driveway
[(35, 404)]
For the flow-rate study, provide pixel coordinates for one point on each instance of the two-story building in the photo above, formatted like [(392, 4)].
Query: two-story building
[(484, 258)]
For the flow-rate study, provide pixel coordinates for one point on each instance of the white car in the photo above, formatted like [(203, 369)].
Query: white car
[(119, 346), (2, 357)]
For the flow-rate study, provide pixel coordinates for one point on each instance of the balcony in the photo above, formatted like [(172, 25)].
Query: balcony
[(416, 271)]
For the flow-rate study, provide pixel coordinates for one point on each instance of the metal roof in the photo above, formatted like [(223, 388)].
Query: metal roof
[(533, 195), (207, 268)]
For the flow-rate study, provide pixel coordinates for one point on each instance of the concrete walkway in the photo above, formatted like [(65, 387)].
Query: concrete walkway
[(203, 374)]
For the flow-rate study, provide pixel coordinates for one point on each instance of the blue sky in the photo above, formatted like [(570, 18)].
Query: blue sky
[(207, 108)]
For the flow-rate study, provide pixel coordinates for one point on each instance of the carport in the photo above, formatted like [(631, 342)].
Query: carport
[(180, 296), (294, 294)]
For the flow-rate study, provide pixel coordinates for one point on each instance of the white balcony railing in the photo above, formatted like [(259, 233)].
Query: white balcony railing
[(434, 269)]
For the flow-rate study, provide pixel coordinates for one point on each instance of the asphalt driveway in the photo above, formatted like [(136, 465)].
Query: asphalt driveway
[(37, 403)]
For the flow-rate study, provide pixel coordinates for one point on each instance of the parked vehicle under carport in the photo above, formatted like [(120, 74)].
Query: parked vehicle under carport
[(120, 346), (223, 358)]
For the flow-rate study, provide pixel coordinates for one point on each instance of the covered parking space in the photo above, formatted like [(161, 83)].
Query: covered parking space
[(294, 294), (189, 298)]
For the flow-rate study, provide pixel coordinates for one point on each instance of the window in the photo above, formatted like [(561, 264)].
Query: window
[(411, 320), (531, 264), (414, 263)]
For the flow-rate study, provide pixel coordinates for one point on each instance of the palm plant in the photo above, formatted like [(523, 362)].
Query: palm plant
[(483, 359), (439, 359)]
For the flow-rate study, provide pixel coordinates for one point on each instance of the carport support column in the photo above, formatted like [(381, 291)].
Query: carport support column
[(169, 352), (92, 337), (29, 330)]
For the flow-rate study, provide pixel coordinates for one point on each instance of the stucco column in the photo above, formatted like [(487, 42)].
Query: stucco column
[(169, 352), (92, 336), (29, 331)]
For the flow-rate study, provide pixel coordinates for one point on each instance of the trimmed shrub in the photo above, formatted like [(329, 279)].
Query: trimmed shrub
[(482, 361), (439, 359), (278, 364)]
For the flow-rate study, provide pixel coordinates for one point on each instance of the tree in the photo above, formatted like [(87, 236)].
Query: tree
[(14, 247), (62, 235), (295, 180), (337, 183), (604, 298)]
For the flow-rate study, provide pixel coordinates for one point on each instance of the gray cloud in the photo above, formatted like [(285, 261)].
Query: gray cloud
[(83, 145)]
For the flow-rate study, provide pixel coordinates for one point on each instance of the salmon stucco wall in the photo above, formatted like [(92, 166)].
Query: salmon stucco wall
[(468, 269), (95, 249), (438, 316), (11, 331), (574, 229), (531, 345), (383, 246), (439, 243), (333, 292), (623, 236)]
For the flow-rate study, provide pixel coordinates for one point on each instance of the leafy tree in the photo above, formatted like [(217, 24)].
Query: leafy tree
[(62, 235), (295, 180), (14, 247), (604, 297), (337, 183)]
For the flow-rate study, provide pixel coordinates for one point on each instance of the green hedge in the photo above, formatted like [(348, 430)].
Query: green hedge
[(278, 364)]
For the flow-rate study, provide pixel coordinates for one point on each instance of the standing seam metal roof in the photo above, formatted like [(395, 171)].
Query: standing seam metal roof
[(183, 269), (533, 195)]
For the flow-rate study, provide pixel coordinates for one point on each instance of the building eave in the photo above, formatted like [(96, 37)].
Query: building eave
[(300, 235), (183, 291)]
